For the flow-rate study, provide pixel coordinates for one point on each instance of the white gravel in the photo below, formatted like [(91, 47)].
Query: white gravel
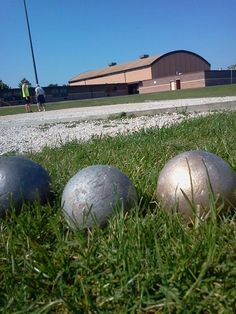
[(31, 132)]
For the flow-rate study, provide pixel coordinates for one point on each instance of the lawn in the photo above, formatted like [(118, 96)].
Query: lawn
[(215, 91), (145, 262)]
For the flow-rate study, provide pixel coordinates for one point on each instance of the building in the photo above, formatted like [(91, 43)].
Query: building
[(144, 69), (180, 69)]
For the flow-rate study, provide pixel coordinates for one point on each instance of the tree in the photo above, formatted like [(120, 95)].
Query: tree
[(232, 67), (52, 85), (3, 85)]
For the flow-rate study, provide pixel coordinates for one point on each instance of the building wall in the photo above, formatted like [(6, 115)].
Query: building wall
[(123, 77), (190, 80), (178, 62), (109, 79), (184, 81), (139, 75)]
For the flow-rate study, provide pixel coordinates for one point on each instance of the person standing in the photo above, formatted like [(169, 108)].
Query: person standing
[(40, 98), (26, 96)]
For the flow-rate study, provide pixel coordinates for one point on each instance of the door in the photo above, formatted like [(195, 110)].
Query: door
[(172, 85), (178, 84)]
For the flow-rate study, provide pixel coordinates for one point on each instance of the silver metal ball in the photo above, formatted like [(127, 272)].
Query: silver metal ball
[(188, 178), (93, 193), (21, 181)]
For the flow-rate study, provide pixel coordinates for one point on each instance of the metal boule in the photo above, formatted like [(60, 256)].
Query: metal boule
[(91, 195), (188, 180), (21, 181)]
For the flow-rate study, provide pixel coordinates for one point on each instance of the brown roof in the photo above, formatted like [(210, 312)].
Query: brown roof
[(140, 63)]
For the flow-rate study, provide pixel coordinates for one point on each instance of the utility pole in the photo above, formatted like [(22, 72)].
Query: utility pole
[(31, 45)]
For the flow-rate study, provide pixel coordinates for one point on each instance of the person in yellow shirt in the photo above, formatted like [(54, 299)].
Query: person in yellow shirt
[(26, 96)]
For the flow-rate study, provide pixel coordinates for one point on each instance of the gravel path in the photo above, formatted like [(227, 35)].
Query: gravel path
[(31, 132)]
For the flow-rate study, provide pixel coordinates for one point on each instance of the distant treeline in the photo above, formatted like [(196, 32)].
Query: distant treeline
[(59, 93)]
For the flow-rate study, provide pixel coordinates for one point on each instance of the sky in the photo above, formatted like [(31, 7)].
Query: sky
[(74, 36)]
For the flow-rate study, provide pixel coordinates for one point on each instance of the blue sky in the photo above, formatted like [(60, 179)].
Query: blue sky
[(75, 36)]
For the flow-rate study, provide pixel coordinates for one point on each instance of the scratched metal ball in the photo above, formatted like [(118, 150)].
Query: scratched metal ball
[(93, 193), (188, 179), (21, 181)]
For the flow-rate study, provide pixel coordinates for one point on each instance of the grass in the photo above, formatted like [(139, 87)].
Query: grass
[(215, 91), (143, 262)]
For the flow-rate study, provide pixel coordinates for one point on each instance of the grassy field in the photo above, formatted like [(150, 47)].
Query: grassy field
[(222, 90), (143, 262)]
